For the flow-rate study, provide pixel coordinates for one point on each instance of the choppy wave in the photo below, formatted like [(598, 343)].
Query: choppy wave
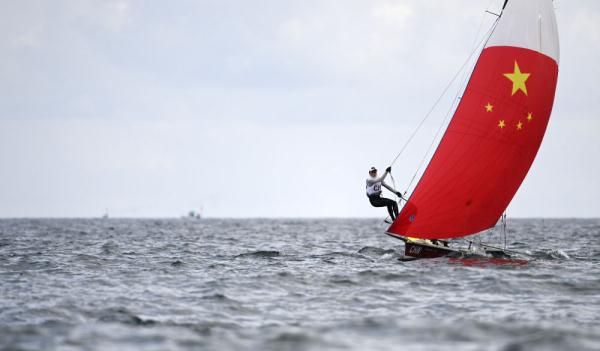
[(550, 254), (260, 254), (288, 285)]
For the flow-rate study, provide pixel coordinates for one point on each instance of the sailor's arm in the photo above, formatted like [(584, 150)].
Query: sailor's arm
[(391, 189), (380, 179), (388, 187), (385, 174)]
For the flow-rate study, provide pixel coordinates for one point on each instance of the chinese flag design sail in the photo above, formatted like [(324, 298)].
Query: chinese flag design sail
[(495, 133)]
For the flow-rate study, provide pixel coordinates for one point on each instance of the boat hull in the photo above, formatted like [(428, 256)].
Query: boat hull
[(415, 249), (422, 250), (418, 248)]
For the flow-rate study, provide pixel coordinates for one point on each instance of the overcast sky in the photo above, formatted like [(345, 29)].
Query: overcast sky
[(258, 108)]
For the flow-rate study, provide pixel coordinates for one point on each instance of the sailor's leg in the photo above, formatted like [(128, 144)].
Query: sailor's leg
[(377, 201), (390, 207), (395, 205)]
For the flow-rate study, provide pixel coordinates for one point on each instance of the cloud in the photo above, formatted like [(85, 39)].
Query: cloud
[(350, 43)]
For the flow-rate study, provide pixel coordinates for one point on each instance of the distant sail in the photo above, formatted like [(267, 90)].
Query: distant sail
[(495, 133)]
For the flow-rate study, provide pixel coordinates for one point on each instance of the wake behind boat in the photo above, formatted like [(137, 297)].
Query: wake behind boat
[(491, 141)]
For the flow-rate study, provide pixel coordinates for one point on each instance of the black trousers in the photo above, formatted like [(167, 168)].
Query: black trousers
[(392, 206)]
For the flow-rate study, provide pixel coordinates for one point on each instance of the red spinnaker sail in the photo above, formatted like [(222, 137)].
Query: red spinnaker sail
[(495, 132)]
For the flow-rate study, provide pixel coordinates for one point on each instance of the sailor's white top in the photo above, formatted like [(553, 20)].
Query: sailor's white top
[(374, 185)]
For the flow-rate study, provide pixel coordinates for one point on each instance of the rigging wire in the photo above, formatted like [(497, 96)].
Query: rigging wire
[(490, 233), (428, 114), (504, 228), (475, 48), (452, 106), (474, 45), (471, 242), (437, 133)]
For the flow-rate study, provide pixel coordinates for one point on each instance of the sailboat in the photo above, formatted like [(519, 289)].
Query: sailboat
[(195, 214), (492, 139)]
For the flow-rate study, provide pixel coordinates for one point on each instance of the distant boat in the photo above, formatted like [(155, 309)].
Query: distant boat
[(194, 214), (105, 215), (491, 140)]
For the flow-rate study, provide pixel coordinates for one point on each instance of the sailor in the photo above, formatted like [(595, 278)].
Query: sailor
[(374, 192)]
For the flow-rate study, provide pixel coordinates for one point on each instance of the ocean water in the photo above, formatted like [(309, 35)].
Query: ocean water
[(126, 284)]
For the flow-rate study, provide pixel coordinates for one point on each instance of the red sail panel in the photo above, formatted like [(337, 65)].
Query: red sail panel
[(487, 149)]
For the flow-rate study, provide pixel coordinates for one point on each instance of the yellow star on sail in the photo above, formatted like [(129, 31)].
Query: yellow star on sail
[(529, 116), (489, 107), (501, 124), (519, 125), (518, 79)]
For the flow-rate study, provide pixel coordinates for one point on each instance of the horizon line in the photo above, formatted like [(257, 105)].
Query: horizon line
[(252, 217)]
